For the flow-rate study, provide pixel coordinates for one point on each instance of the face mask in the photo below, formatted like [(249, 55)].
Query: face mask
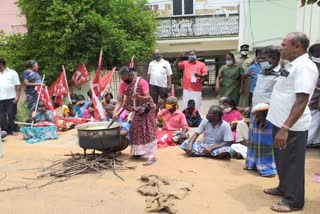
[(192, 58), (245, 53), (315, 59), (210, 118), (227, 110), (229, 62), (265, 65), (73, 101), (156, 56), (169, 106), (81, 102), (128, 81)]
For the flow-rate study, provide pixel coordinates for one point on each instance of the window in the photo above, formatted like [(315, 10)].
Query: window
[(183, 7)]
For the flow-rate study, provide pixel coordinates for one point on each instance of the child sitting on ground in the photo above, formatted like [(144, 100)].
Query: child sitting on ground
[(192, 114)]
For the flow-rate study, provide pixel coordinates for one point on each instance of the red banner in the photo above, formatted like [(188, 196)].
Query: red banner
[(80, 76), (99, 112), (105, 81), (45, 98), (59, 88), (95, 82)]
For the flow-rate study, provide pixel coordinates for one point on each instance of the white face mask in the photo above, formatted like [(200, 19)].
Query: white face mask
[(244, 52), (229, 62), (315, 59), (227, 110)]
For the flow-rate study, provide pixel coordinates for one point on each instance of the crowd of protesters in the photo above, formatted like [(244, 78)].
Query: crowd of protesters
[(267, 105)]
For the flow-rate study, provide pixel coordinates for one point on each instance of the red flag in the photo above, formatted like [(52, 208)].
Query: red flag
[(59, 88), (45, 98), (131, 62), (99, 112), (95, 82), (105, 81), (80, 76)]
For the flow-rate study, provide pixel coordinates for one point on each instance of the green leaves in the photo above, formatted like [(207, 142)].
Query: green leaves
[(70, 32), (303, 2)]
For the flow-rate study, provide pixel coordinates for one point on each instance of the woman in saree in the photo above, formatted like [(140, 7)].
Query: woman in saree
[(31, 78), (143, 131), (228, 83)]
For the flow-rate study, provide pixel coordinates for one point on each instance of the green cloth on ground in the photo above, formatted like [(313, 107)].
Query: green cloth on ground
[(230, 81), (162, 192)]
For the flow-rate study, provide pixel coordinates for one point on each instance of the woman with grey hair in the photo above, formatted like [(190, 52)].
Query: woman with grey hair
[(31, 78), (143, 131)]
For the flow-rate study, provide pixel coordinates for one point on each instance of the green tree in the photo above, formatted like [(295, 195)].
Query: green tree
[(70, 32), (303, 2)]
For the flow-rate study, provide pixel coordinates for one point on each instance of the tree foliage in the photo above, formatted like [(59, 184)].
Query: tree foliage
[(303, 2), (70, 32)]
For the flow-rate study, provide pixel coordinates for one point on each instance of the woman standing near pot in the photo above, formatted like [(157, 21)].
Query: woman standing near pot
[(143, 131)]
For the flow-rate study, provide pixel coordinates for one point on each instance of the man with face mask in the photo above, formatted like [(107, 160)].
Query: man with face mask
[(159, 77), (267, 76), (174, 122), (193, 72), (314, 105), (217, 140)]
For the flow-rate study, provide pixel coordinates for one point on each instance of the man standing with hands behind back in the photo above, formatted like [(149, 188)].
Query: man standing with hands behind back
[(291, 119), (10, 89), (193, 72), (159, 77)]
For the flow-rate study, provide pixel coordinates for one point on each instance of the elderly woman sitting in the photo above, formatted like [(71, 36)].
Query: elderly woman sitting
[(44, 128), (174, 127), (217, 139)]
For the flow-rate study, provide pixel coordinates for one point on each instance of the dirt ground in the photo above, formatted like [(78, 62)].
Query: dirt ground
[(219, 186)]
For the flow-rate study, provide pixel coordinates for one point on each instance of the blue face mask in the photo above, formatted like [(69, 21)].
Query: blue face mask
[(229, 62), (73, 101), (265, 65)]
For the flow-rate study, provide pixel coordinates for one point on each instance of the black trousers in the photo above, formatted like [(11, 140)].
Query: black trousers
[(156, 91), (8, 112), (290, 163)]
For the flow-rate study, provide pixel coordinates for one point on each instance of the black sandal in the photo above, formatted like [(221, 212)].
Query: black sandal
[(272, 191), (282, 207)]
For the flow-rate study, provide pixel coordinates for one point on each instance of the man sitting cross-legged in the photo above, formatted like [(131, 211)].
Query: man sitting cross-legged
[(217, 138)]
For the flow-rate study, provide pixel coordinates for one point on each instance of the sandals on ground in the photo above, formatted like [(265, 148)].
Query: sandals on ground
[(272, 191), (282, 207)]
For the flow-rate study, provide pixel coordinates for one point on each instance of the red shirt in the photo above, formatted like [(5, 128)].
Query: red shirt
[(173, 122), (189, 68)]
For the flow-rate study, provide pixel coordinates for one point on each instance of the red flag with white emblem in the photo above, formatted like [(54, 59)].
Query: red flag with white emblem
[(80, 76), (105, 81), (59, 88), (45, 98)]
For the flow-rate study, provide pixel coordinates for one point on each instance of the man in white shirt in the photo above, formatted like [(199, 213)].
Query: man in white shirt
[(159, 77), (291, 120), (9, 96)]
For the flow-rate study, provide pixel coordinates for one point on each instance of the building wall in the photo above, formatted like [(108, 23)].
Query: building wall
[(308, 21), (269, 21), (10, 19), (163, 8)]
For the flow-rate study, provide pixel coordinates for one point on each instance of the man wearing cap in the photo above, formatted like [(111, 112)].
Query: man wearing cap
[(9, 96), (193, 72), (291, 119), (159, 77), (314, 105)]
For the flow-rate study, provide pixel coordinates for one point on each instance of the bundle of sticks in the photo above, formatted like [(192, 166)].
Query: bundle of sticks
[(77, 164)]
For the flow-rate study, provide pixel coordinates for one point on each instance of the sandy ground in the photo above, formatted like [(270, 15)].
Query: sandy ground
[(219, 186)]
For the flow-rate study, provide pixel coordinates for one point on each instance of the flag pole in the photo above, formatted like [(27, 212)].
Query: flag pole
[(38, 98), (65, 77)]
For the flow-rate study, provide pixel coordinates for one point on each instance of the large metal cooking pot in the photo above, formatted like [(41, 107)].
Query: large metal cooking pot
[(96, 136)]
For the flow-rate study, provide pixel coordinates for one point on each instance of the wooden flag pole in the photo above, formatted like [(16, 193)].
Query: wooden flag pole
[(65, 76), (38, 98)]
